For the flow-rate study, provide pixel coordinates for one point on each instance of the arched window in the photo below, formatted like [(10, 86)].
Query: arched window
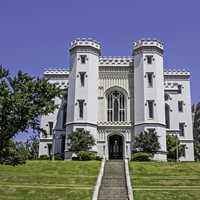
[(116, 106)]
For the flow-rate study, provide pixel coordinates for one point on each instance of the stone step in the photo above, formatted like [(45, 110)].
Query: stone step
[(108, 197), (113, 196), (113, 192), (125, 198), (108, 185), (113, 186), (110, 181)]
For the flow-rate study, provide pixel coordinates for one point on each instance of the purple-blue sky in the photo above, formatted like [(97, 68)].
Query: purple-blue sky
[(36, 34)]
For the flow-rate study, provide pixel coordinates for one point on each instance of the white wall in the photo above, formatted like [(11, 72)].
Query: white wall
[(176, 117)]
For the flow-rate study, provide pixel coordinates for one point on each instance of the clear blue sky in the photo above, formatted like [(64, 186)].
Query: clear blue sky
[(36, 34)]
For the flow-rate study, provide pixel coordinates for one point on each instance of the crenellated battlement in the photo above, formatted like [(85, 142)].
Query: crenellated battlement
[(115, 60), (56, 71), (148, 43), (85, 42), (175, 72)]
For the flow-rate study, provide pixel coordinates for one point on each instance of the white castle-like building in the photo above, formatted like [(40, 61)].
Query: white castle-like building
[(117, 97)]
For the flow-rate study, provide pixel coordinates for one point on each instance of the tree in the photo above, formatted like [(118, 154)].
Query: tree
[(33, 146), (23, 99), (173, 145), (23, 150), (147, 142), (80, 141), (196, 130)]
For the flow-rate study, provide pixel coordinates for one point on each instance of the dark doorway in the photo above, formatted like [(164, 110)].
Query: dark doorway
[(115, 146)]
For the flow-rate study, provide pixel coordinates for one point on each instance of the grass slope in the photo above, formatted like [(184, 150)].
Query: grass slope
[(166, 181), (49, 180)]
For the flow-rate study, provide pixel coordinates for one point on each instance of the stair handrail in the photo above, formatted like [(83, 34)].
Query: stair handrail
[(99, 180), (128, 181)]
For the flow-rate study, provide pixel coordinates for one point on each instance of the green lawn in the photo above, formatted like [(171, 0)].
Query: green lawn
[(165, 181), (49, 180)]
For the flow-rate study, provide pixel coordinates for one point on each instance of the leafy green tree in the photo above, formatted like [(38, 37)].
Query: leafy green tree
[(23, 150), (33, 145), (197, 151), (196, 130), (173, 144), (14, 153), (147, 142), (23, 99), (80, 141)]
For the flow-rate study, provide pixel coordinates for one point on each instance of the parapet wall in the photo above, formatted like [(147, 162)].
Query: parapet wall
[(85, 42), (56, 71), (148, 43), (115, 60), (175, 72)]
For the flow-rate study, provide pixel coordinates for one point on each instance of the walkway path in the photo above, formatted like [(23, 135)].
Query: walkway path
[(113, 186)]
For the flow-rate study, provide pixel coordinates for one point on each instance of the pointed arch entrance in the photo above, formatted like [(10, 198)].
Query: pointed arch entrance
[(115, 146)]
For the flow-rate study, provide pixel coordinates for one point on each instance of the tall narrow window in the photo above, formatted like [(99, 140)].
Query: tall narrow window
[(64, 110), (179, 89), (116, 107), (167, 97), (180, 106), (83, 59), (81, 110), (63, 144), (151, 130), (150, 107), (49, 149), (167, 116), (64, 116), (181, 129), (82, 78), (79, 129), (50, 128), (183, 150), (150, 79), (149, 59)]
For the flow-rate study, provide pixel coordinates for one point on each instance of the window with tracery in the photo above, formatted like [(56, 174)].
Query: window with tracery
[(116, 106)]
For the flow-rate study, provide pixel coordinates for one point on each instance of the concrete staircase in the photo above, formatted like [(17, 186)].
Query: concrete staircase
[(113, 186)]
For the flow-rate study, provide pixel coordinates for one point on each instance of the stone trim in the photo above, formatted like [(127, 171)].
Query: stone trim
[(149, 123), (114, 123), (82, 123)]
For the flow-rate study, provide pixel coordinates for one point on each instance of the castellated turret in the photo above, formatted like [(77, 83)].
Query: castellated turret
[(83, 87), (149, 105)]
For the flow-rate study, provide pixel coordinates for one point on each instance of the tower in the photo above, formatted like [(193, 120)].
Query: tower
[(149, 105), (83, 88)]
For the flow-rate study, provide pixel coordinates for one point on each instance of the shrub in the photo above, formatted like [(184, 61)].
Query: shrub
[(14, 160), (141, 156), (98, 158), (12, 155), (80, 141), (87, 155), (75, 158), (147, 142), (43, 157), (58, 157)]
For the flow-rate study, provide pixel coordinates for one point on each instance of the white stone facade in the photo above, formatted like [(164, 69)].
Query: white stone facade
[(116, 98)]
